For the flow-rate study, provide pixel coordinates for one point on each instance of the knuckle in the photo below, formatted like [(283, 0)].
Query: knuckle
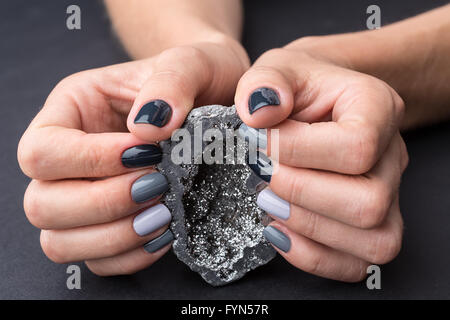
[(52, 248), (295, 186), (363, 151), (274, 53), (404, 155), (257, 70), (374, 206), (105, 201), (127, 269), (194, 60), (32, 206), (361, 272), (399, 105), (313, 264), (356, 272), (291, 151), (93, 160), (308, 41), (110, 244), (182, 53), (112, 266), (312, 225), (73, 79), (29, 157), (386, 248), (96, 268)]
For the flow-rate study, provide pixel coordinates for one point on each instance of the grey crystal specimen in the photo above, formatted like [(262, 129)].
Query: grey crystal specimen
[(216, 222)]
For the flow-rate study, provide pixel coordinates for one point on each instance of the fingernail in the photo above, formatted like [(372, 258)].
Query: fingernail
[(277, 238), (262, 97), (151, 219), (261, 165), (156, 112), (160, 242), (256, 137), (148, 187), (141, 156), (273, 204)]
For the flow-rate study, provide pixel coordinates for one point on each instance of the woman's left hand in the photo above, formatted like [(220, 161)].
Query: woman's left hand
[(334, 192)]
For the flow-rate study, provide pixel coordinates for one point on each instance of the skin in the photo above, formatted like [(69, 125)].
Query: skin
[(341, 155), (79, 195)]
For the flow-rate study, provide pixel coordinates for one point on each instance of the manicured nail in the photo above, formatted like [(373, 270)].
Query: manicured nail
[(256, 137), (156, 112), (151, 219), (160, 242), (141, 156), (261, 165), (273, 204), (262, 97), (148, 187), (277, 238)]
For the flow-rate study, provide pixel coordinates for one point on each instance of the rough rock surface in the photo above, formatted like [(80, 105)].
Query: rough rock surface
[(216, 222)]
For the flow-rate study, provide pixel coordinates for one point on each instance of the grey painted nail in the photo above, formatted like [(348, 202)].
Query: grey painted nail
[(159, 242), (273, 204), (255, 137), (148, 187), (151, 219), (277, 238)]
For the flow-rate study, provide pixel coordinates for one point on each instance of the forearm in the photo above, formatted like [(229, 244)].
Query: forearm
[(412, 56), (147, 27)]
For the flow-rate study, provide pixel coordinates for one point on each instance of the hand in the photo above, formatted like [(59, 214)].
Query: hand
[(334, 193), (94, 190)]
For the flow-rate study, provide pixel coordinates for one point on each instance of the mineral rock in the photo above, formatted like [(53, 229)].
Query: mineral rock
[(216, 222)]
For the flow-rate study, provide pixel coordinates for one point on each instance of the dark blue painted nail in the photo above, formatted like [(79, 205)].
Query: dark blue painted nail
[(156, 112), (141, 156), (261, 165), (262, 97)]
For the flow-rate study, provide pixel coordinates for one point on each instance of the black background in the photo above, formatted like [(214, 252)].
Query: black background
[(37, 51)]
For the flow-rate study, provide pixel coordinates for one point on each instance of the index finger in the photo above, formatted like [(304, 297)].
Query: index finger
[(81, 130)]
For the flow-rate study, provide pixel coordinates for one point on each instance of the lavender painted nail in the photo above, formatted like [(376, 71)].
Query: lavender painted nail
[(151, 219), (273, 204)]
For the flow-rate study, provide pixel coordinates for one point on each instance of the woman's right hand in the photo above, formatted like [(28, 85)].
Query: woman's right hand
[(94, 192)]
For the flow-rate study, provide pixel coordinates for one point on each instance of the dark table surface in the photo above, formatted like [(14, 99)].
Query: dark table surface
[(37, 51)]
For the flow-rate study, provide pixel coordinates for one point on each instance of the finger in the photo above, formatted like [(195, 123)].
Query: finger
[(105, 240), (379, 245), (127, 263), (181, 77), (265, 94), (314, 257), (67, 140), (361, 201), (66, 204), (364, 112), (51, 153)]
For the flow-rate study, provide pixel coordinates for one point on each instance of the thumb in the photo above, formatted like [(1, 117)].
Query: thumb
[(181, 77), (265, 94), (168, 95)]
